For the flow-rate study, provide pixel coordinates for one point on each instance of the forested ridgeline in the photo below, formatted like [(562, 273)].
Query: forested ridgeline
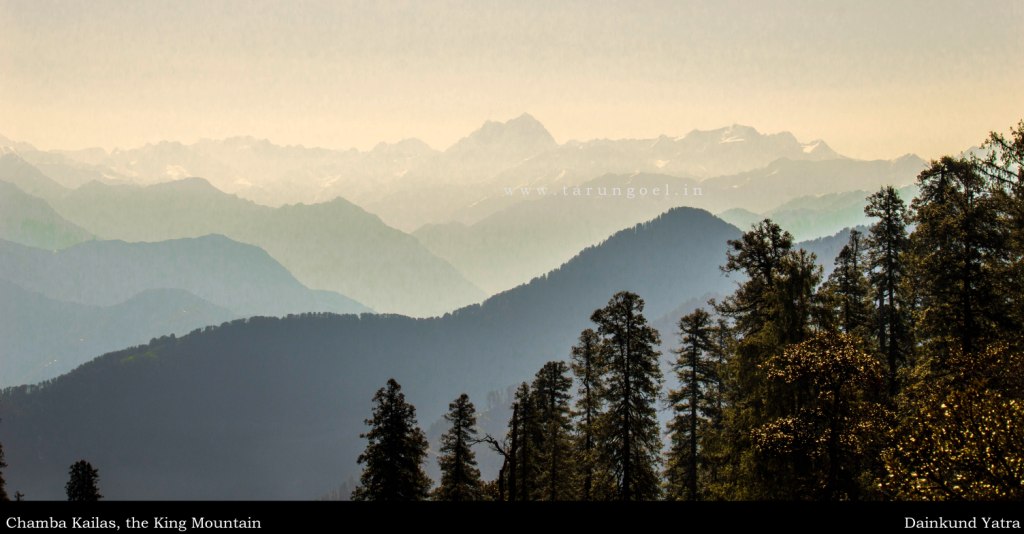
[(899, 377)]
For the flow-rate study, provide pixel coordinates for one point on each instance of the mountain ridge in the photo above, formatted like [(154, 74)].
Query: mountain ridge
[(231, 383)]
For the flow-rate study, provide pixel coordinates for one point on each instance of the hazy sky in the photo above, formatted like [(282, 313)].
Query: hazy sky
[(874, 79)]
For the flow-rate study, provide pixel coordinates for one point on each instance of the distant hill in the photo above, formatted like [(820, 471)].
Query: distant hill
[(241, 278), (766, 188), (29, 220), (335, 246), (44, 338), (63, 308), (532, 237), (70, 172), (546, 224), (828, 247), (272, 408), (740, 218), (809, 217), (16, 171)]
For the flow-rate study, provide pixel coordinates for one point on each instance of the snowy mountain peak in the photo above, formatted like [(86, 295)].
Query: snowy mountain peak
[(523, 132), (740, 131), (819, 149)]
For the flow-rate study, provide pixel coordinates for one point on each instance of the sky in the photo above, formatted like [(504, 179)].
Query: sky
[(875, 79)]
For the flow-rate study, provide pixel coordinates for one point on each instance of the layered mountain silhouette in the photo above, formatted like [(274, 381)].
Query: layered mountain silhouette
[(535, 236), (334, 245), (763, 189), (62, 308), (809, 217), (272, 408), (408, 184), (16, 171), (44, 338), (31, 221), (241, 278), (546, 224)]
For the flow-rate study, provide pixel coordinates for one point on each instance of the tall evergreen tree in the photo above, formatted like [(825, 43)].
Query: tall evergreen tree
[(3, 484), (588, 365), (960, 247), (395, 451), (887, 246), (759, 255), (82, 484), (551, 389), (794, 297), (694, 403), (847, 293), (716, 446), (721, 349), (1004, 166), (460, 477), (630, 434), (771, 308), (524, 435), (511, 464)]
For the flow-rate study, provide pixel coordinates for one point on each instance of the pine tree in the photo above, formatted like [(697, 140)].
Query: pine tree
[(847, 291), (770, 309), (82, 485), (512, 455), (588, 365), (759, 255), (551, 389), (694, 403), (887, 246), (3, 484), (1004, 167), (795, 296), (395, 451), (716, 448), (524, 435), (460, 478), (960, 247), (630, 434)]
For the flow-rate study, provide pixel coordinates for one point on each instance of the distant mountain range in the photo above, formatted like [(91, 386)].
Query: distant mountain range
[(810, 217), (44, 338), (62, 308), (763, 189), (493, 228), (272, 408), (335, 245), (542, 230), (529, 238), (241, 278), (409, 184)]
